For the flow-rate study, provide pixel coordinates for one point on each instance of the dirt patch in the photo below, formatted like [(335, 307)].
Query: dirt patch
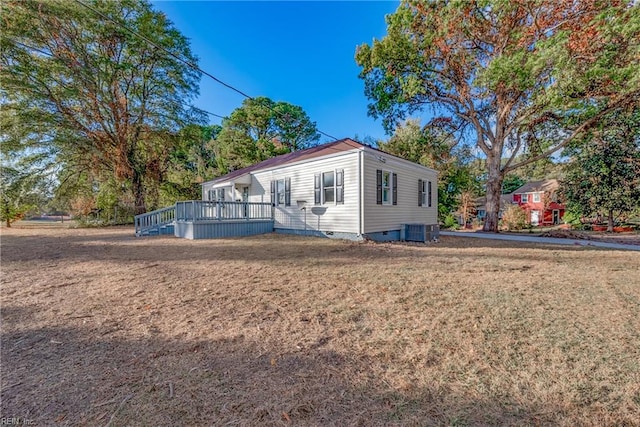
[(100, 327)]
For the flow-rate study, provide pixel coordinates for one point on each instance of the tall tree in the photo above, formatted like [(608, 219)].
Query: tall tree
[(105, 96), (260, 129), (604, 173), (523, 76), (434, 146), (192, 162)]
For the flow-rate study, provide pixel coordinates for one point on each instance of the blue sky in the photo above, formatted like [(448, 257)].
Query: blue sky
[(298, 52)]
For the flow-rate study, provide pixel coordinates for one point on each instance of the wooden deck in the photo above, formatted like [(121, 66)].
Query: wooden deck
[(198, 219)]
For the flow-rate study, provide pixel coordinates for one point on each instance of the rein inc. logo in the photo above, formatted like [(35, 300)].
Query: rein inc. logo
[(16, 421)]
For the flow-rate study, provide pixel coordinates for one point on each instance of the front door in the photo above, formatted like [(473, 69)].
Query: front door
[(535, 217), (556, 216)]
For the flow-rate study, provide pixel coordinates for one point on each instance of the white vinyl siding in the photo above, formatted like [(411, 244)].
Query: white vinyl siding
[(381, 217), (354, 181), (340, 214)]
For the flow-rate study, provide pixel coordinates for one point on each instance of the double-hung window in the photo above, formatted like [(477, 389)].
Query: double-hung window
[(536, 197), (329, 188), (387, 187), (281, 192), (216, 195), (424, 193), (525, 198)]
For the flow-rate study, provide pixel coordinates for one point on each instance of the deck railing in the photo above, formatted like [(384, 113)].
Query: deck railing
[(202, 210), (155, 220)]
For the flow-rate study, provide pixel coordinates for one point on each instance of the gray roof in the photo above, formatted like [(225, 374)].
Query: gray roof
[(549, 185)]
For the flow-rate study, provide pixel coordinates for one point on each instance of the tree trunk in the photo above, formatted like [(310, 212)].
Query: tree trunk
[(610, 221), (138, 193), (8, 223), (494, 191)]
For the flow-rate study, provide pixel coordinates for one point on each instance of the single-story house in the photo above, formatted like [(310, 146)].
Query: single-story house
[(540, 201), (342, 189)]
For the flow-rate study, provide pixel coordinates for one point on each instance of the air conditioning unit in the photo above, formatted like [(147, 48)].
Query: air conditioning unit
[(419, 232)]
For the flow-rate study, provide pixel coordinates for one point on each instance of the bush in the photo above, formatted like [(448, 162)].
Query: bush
[(514, 218), (573, 219), (450, 222)]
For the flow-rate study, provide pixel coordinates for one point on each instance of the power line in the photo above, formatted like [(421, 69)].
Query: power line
[(137, 34), (188, 63), (50, 55)]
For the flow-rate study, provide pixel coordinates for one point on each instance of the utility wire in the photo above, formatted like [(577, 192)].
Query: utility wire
[(50, 55), (184, 61), (177, 57)]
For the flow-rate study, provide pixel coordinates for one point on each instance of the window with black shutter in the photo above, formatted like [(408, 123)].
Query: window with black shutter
[(395, 188), (420, 192), (386, 187), (287, 191), (273, 193), (379, 186), (429, 193), (317, 190), (340, 186), (281, 192)]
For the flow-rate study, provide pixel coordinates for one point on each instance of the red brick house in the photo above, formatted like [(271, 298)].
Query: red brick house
[(540, 201)]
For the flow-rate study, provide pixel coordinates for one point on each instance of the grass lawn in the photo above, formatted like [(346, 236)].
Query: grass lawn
[(101, 328)]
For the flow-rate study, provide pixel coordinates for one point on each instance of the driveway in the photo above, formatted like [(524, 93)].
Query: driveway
[(534, 239)]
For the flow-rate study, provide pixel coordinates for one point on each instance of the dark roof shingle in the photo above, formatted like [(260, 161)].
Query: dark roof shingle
[(309, 153)]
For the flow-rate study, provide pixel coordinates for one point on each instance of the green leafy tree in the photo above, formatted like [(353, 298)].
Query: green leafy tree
[(433, 146), (93, 94), (521, 77), (511, 183), (603, 175), (19, 193), (192, 162), (261, 129)]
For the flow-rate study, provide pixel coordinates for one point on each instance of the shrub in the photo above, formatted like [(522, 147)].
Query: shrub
[(572, 218), (450, 222), (514, 218)]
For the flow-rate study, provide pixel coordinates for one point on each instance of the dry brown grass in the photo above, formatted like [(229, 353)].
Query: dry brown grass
[(99, 327)]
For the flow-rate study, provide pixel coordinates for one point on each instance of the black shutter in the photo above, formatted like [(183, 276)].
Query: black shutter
[(273, 193), (317, 190), (429, 195), (287, 191), (379, 187), (340, 187), (420, 189), (395, 188)]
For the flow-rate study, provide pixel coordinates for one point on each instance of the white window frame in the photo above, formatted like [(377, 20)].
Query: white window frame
[(425, 193), (336, 190), (524, 198), (280, 192), (388, 188), (536, 197), (216, 195), (324, 188)]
